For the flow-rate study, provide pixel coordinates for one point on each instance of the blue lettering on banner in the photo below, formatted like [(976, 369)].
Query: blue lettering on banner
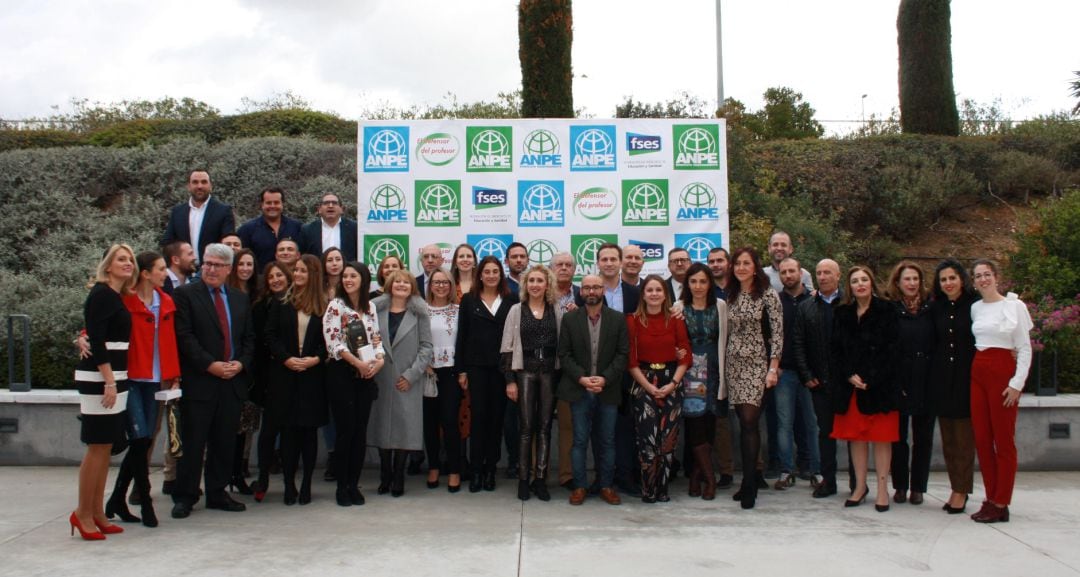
[(592, 148), (386, 149)]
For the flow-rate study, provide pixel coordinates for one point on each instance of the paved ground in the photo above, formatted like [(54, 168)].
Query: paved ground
[(431, 532)]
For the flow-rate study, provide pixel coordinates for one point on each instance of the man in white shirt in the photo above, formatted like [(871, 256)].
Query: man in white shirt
[(201, 220), (431, 258), (331, 229), (678, 262)]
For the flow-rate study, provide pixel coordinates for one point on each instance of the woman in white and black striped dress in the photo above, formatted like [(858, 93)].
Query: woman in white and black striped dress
[(102, 382)]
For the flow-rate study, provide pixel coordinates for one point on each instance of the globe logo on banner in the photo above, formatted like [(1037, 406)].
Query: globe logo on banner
[(490, 244), (698, 245), (540, 203), (489, 149), (438, 203), (584, 247), (645, 202), (378, 247), (438, 149), (698, 202), (541, 150), (593, 148), (697, 146), (387, 205), (541, 251), (386, 149)]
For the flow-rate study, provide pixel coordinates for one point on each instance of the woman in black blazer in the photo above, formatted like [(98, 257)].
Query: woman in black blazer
[(297, 395), (476, 361)]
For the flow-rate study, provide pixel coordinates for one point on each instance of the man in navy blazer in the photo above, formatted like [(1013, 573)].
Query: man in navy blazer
[(216, 341), (329, 230), (201, 220), (431, 258)]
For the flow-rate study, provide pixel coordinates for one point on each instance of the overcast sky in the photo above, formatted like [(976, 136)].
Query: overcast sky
[(350, 55)]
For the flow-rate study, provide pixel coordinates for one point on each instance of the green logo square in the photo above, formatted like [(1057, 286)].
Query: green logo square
[(380, 246), (489, 149), (438, 203), (583, 247), (645, 202), (697, 146)]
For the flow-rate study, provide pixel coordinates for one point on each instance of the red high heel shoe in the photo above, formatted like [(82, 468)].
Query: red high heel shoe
[(86, 535), (108, 529)]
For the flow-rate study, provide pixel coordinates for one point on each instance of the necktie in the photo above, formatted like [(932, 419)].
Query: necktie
[(223, 319)]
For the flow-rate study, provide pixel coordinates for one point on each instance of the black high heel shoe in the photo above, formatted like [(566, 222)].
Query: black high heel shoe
[(955, 510), (116, 507), (290, 493), (856, 502)]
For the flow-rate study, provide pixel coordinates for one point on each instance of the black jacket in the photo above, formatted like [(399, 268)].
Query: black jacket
[(954, 349), (479, 334), (200, 341), (916, 348), (294, 398), (866, 347), (811, 341)]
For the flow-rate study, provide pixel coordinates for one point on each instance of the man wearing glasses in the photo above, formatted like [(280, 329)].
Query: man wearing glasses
[(678, 262), (330, 230)]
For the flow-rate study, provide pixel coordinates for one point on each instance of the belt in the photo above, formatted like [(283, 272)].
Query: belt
[(540, 353)]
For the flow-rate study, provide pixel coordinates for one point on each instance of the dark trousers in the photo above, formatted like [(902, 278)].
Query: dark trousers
[(958, 448), (826, 444), (627, 471), (207, 426), (922, 446), (536, 406), (441, 423), (512, 434), (296, 443), (487, 388), (350, 403)]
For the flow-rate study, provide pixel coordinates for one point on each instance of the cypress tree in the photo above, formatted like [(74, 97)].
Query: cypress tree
[(545, 33), (927, 98)]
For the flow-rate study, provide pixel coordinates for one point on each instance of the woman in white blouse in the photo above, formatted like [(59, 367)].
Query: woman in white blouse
[(1002, 358), (442, 411)]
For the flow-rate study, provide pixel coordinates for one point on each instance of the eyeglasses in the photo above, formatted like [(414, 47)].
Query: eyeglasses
[(680, 261), (330, 203), (592, 287), (215, 265)]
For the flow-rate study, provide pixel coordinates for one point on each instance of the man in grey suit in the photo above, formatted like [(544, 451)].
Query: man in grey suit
[(593, 352)]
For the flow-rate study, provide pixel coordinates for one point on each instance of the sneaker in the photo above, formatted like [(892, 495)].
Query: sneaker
[(786, 480), (816, 480)]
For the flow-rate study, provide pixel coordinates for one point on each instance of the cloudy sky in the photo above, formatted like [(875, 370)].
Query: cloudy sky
[(348, 56)]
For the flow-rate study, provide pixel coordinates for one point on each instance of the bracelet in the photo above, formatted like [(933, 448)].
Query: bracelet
[(112, 386), (772, 370)]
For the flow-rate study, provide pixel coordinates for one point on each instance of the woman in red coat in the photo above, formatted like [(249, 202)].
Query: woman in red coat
[(152, 365)]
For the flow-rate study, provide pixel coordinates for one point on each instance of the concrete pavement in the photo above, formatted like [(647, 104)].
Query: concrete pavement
[(431, 532)]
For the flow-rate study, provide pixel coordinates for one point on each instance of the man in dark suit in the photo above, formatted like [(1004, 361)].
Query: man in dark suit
[(216, 342), (632, 262), (202, 219), (431, 258), (593, 352), (180, 260), (678, 263), (331, 229)]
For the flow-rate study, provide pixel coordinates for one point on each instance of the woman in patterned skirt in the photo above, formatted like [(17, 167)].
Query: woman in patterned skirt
[(755, 342), (102, 382)]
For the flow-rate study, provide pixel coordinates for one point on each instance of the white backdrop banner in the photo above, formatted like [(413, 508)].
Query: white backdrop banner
[(552, 184)]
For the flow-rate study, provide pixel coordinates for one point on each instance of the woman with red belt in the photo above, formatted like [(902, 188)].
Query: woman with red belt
[(864, 392), (1002, 359)]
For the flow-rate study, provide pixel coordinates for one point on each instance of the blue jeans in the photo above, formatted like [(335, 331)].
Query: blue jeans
[(792, 398), (142, 409), (589, 414)]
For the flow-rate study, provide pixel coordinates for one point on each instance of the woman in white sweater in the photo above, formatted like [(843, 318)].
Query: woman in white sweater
[(1003, 355)]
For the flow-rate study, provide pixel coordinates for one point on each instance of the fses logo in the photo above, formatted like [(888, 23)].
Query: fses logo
[(650, 251), (641, 143), (593, 148), (438, 149), (386, 149), (645, 202), (490, 244), (697, 146), (697, 201), (380, 246), (484, 197), (699, 244), (489, 149), (438, 203), (584, 247), (542, 150), (387, 204), (540, 203), (541, 251)]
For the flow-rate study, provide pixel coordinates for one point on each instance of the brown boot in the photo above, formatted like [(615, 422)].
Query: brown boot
[(703, 469), (695, 482)]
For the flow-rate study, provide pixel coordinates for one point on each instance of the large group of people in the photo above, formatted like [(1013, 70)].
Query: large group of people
[(275, 331)]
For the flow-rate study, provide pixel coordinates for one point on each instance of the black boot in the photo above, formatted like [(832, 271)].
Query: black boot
[(397, 484), (116, 506), (540, 488), (140, 472), (523, 489), (305, 483), (331, 468), (237, 482), (748, 492), (385, 471)]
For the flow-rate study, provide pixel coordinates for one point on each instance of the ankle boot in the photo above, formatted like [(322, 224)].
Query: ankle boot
[(704, 469), (397, 484), (305, 483), (748, 496), (117, 503), (385, 471)]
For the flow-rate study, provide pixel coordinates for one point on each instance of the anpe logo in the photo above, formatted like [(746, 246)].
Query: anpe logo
[(641, 143), (438, 203), (583, 247), (540, 203), (541, 251), (489, 149), (438, 149), (593, 148), (387, 204), (699, 245), (484, 198), (379, 246), (697, 202), (541, 150), (596, 203), (645, 202), (650, 251), (697, 146), (386, 149), (490, 244)]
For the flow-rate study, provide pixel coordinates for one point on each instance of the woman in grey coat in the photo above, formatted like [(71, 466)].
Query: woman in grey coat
[(397, 416)]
